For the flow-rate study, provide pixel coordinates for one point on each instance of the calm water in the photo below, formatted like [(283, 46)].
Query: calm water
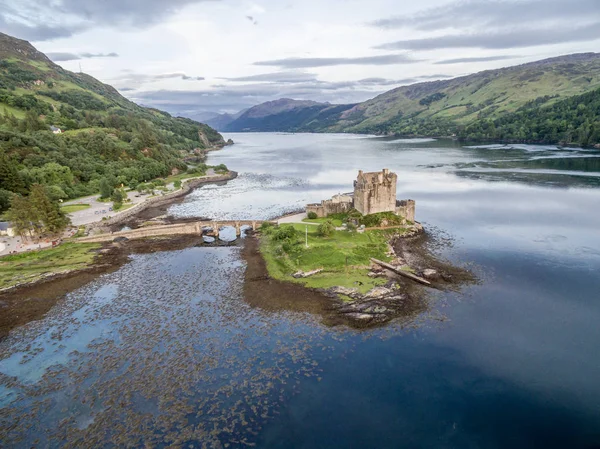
[(166, 352)]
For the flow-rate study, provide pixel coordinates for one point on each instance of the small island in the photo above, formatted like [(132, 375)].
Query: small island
[(364, 250)]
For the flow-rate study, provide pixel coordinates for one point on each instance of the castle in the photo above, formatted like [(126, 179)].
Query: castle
[(374, 192)]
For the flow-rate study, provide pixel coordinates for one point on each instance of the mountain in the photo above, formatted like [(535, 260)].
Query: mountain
[(221, 121), (286, 115), (104, 135), (477, 106), (419, 108)]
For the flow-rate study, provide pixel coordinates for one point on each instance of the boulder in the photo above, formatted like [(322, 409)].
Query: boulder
[(430, 274), (378, 292)]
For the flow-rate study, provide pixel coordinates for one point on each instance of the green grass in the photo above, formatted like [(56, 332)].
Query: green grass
[(337, 222), (18, 113), (70, 208), (125, 206), (344, 258), (31, 266)]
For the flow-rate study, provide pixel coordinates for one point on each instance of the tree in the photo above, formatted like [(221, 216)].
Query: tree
[(21, 216), (6, 197), (10, 179), (326, 229), (49, 218), (106, 188)]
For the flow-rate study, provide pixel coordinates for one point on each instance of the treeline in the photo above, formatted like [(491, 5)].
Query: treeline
[(575, 120)]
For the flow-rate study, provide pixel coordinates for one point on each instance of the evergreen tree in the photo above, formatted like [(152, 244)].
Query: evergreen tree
[(21, 216), (9, 176), (50, 219)]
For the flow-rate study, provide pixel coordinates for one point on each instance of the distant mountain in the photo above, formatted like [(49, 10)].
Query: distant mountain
[(470, 106), (285, 115), (220, 122), (69, 130)]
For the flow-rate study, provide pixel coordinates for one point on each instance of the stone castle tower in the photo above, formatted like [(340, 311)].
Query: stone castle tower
[(375, 192)]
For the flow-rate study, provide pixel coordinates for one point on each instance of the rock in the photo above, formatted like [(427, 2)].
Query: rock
[(302, 274), (430, 274), (121, 239), (360, 316), (377, 292), (343, 290)]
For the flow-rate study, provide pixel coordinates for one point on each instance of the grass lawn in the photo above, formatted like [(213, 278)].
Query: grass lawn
[(30, 266), (337, 222), (125, 206), (70, 208), (344, 257)]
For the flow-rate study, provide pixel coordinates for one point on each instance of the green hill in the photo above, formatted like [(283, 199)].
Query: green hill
[(104, 134), (447, 105)]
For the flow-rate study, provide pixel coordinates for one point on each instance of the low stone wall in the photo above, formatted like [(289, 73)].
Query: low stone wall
[(186, 188)]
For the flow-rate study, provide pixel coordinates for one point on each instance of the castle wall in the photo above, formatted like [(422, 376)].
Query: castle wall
[(339, 204), (406, 209)]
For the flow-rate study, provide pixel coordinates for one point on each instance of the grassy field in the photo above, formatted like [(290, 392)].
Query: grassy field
[(337, 222), (344, 257), (31, 266), (70, 208)]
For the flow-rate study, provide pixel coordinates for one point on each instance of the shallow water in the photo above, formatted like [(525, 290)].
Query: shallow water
[(166, 351)]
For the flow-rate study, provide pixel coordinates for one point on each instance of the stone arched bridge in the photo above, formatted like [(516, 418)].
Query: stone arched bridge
[(194, 228)]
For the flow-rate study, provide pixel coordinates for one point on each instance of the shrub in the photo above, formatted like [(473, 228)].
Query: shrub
[(285, 233), (177, 184), (312, 215), (325, 229)]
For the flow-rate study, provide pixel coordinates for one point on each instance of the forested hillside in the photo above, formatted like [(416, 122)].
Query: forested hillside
[(574, 120), (104, 135)]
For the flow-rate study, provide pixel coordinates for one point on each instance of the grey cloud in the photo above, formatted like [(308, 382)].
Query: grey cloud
[(60, 56), (505, 39), (228, 97), (99, 55), (28, 19), (476, 59), (495, 13), (64, 56), (301, 63), (277, 77)]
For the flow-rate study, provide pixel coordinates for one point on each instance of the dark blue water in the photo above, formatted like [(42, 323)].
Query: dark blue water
[(166, 351)]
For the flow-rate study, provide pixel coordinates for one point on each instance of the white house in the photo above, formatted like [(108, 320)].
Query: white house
[(55, 129), (6, 229)]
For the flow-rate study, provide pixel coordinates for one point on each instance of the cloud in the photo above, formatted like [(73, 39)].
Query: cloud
[(64, 56), (476, 59), (36, 20), (276, 77), (131, 81), (252, 19), (99, 55), (505, 39), (228, 97), (494, 13), (300, 63)]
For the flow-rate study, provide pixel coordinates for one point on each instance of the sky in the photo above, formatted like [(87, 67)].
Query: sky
[(191, 57)]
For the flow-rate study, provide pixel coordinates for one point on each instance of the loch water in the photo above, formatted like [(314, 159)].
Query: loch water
[(166, 351)]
